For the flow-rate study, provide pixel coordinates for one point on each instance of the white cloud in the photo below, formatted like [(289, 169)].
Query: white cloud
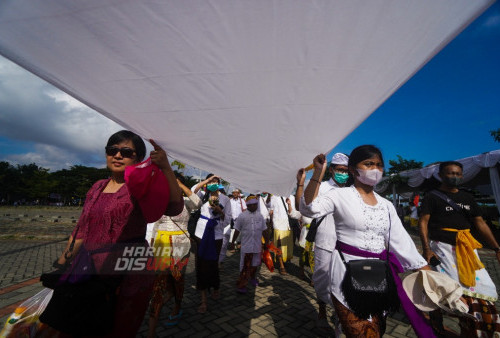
[(65, 131), (492, 22), (53, 158)]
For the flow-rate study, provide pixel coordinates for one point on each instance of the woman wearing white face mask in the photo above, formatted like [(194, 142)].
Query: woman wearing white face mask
[(363, 221)]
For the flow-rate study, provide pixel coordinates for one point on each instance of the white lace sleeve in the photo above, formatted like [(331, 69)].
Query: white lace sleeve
[(320, 206), (193, 202), (402, 245)]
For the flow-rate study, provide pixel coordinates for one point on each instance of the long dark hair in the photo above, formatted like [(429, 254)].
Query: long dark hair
[(362, 153), (127, 135)]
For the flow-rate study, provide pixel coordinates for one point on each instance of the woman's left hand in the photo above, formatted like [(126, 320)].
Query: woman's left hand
[(301, 176), (159, 156)]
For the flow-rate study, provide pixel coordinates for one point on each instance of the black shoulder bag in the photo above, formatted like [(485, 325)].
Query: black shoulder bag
[(292, 222), (83, 302), (313, 229), (195, 216), (368, 286)]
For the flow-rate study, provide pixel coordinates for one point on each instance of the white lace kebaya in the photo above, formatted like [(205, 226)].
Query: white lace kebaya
[(363, 226)]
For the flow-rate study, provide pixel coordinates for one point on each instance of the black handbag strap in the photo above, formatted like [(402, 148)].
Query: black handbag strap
[(318, 222), (449, 201), (286, 210), (284, 205), (315, 224), (205, 197)]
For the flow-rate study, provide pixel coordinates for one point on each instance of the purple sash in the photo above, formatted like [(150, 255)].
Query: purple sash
[(207, 249), (418, 322)]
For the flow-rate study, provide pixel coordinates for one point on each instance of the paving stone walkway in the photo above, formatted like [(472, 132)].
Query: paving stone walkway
[(281, 306)]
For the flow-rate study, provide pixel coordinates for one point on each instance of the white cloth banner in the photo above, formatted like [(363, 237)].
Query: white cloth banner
[(249, 90)]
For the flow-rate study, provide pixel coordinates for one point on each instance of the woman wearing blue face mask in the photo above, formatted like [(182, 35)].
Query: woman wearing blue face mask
[(215, 215), (365, 223)]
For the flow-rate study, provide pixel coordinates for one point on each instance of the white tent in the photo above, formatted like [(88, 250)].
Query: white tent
[(251, 90)]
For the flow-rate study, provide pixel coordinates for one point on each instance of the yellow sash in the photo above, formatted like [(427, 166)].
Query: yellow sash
[(467, 261), (164, 238)]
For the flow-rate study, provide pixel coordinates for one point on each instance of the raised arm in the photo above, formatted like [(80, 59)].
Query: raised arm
[(159, 157), (301, 177), (202, 183), (312, 189)]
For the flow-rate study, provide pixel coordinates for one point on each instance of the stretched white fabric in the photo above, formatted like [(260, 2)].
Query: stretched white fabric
[(250, 90)]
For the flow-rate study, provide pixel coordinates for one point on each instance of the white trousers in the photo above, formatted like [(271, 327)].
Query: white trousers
[(321, 275)]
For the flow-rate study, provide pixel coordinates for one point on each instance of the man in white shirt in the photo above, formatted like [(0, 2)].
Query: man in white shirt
[(326, 237), (279, 210), (252, 227), (238, 205)]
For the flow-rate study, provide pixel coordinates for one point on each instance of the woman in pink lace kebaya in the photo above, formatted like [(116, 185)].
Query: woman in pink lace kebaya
[(111, 215)]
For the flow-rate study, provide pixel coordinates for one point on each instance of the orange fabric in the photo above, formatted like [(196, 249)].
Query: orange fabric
[(467, 260), (267, 259)]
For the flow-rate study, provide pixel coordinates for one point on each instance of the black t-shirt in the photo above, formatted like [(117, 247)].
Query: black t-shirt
[(444, 216)]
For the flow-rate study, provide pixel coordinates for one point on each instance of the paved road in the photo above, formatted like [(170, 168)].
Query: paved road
[(281, 306)]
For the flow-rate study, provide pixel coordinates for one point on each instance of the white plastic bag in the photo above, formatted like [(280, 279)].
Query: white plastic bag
[(24, 321)]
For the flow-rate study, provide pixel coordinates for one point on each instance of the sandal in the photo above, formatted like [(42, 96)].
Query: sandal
[(216, 294), (322, 323), (174, 319), (202, 308), (283, 271)]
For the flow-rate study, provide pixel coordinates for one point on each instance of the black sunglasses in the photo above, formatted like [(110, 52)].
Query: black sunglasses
[(125, 151)]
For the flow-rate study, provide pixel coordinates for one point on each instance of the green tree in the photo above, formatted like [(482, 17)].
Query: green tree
[(180, 166), (10, 179), (398, 166), (41, 185), (402, 164), (76, 181), (33, 183), (495, 134)]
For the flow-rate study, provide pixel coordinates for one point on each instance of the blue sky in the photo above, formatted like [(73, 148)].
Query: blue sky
[(446, 111)]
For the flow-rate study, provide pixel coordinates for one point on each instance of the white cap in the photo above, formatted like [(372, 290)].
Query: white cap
[(340, 159)]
